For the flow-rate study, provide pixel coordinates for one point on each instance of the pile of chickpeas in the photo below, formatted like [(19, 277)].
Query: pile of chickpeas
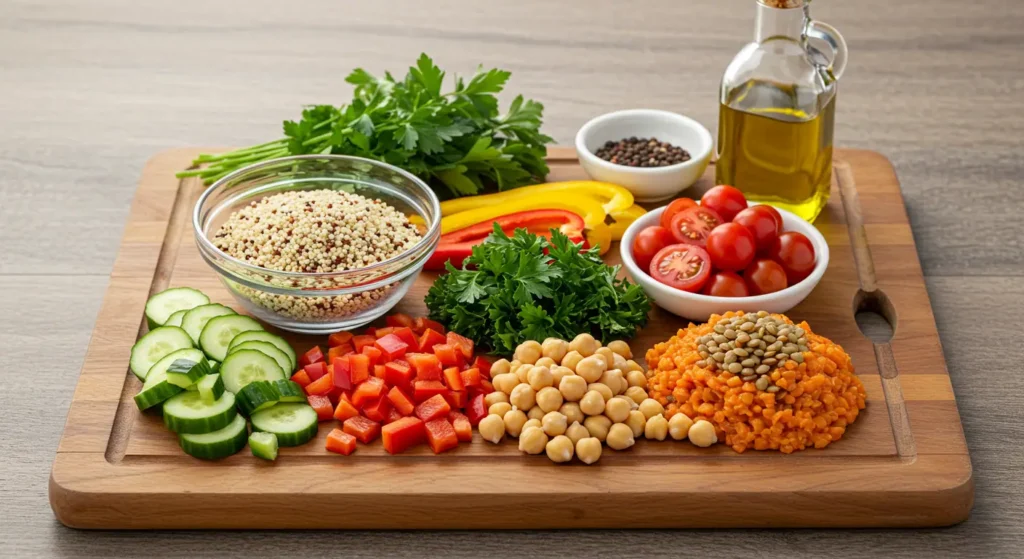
[(569, 399)]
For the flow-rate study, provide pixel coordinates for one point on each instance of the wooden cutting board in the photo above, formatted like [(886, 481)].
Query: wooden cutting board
[(903, 463)]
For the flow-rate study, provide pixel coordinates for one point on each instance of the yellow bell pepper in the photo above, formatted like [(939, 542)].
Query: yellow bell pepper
[(613, 197), (624, 219)]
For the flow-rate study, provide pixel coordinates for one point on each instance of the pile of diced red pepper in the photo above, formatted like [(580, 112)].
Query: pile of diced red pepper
[(406, 383)]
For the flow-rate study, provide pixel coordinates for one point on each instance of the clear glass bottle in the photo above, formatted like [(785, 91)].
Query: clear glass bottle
[(777, 112)]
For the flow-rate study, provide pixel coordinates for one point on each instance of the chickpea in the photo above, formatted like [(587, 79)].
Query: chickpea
[(572, 412), (636, 379), (617, 409), (620, 437), (636, 394), (554, 348), (494, 398), (613, 380), (598, 426), (609, 356), (619, 362), (592, 403), (571, 360), (505, 382), (577, 431), (637, 422), (500, 409), (522, 397), (554, 423), (702, 433), (559, 372), (532, 440), (679, 426), (651, 407), (585, 344), (530, 423), (545, 362), (559, 449), (535, 413), (514, 364), (500, 367), (601, 389), (523, 372), (491, 428), (631, 366), (514, 422), (591, 368), (573, 388), (588, 450), (621, 348), (528, 352), (656, 428), (539, 377), (549, 399)]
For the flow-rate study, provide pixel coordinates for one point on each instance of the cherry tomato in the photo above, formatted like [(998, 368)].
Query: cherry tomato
[(648, 242), (775, 213), (726, 284), (731, 247), (796, 254), (692, 226), (724, 199), (682, 266), (675, 207), (760, 221), (765, 276)]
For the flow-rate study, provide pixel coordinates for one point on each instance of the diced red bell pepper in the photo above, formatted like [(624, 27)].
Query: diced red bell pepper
[(449, 355), (426, 365), (401, 402), (483, 365), (366, 430), (360, 367), (336, 394), (392, 347), (453, 379), (367, 391), (301, 378), (398, 320), (463, 429), (393, 416), (338, 352), (345, 410), (379, 370), (441, 435), (398, 373), (471, 377), (429, 339), (406, 335), (403, 434), (342, 373), (314, 355), (316, 370), (381, 332), (476, 409), (322, 406), (339, 338), (371, 331), (374, 354), (341, 442), (359, 342), (486, 386), (456, 399), (464, 344), (432, 408), (421, 325), (425, 389), (321, 386), (378, 409)]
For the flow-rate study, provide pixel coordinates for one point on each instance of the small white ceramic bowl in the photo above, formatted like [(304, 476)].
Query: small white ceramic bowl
[(648, 184), (700, 307)]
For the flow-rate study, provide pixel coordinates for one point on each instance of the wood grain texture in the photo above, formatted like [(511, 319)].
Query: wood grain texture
[(92, 89)]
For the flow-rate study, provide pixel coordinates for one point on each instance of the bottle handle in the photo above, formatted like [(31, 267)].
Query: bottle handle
[(824, 32)]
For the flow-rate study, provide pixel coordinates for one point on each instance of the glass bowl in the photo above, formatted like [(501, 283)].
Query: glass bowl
[(318, 303)]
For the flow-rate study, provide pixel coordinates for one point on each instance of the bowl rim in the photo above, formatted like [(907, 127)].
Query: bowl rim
[(683, 120), (427, 239), (820, 246)]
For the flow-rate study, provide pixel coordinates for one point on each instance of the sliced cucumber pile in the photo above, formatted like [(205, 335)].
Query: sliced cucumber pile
[(195, 320), (156, 345), (269, 349), (248, 365), (156, 389), (220, 330), (188, 413), (161, 306), (294, 424), (263, 336)]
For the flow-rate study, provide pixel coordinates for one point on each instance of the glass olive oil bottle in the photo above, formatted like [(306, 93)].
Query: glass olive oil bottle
[(777, 110)]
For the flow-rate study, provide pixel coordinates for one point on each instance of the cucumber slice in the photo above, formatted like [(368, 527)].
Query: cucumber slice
[(185, 372), (153, 395), (195, 320), (263, 445), (156, 345), (175, 319), (263, 336), (219, 332), (188, 413), (256, 396), (294, 424), (161, 306), (217, 444), (248, 365), (156, 389), (214, 367), (210, 387), (289, 391), (268, 348)]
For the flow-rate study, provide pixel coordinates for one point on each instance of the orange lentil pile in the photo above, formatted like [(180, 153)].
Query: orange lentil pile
[(818, 399)]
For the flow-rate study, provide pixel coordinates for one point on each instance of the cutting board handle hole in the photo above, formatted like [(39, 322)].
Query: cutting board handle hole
[(876, 317)]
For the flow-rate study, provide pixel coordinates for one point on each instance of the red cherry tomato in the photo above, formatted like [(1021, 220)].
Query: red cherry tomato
[(726, 284), (682, 266), (731, 247), (674, 208), (762, 224), (648, 242), (692, 226), (724, 199), (765, 276), (796, 254), (775, 213)]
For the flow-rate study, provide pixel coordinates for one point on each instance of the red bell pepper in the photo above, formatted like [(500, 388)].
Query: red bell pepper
[(367, 391), (378, 409), (345, 410), (373, 353), (301, 378), (463, 429), (339, 338), (371, 331), (456, 398), (429, 339), (407, 336), (425, 389), (398, 373), (321, 386), (477, 409), (322, 406), (483, 365), (381, 332), (342, 373), (316, 370), (398, 320), (449, 355), (314, 355), (462, 343), (393, 416), (471, 377), (432, 408), (401, 401), (359, 342), (360, 367), (366, 430), (453, 379), (441, 435), (339, 351), (427, 366), (341, 442), (421, 325), (403, 434), (379, 370), (392, 347)]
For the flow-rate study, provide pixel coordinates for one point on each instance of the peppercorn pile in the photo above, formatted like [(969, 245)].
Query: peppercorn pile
[(642, 152)]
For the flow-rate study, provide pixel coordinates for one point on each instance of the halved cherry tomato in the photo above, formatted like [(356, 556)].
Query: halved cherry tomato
[(693, 225), (731, 247), (765, 276), (726, 284), (648, 242), (796, 254), (682, 266), (762, 222), (677, 206), (724, 199)]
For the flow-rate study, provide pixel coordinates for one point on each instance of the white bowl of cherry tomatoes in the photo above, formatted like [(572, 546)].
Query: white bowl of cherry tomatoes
[(720, 254)]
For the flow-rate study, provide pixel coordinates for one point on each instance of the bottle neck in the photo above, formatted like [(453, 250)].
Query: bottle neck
[(789, 23)]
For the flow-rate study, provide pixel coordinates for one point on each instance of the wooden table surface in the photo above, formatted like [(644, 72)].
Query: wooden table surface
[(89, 90)]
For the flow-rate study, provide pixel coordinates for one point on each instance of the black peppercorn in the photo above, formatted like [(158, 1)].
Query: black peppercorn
[(642, 152)]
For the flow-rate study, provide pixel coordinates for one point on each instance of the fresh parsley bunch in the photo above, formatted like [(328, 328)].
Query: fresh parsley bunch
[(524, 287), (457, 139)]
